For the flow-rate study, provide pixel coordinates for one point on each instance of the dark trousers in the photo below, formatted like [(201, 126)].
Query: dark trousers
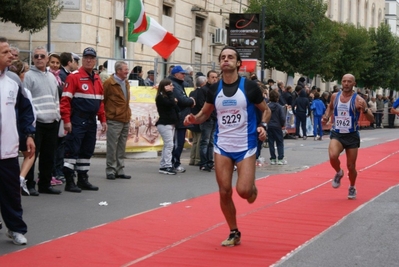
[(80, 145), (378, 118), (59, 157), (300, 119), (275, 135), (391, 120), (46, 142), (10, 195), (180, 138), (206, 143)]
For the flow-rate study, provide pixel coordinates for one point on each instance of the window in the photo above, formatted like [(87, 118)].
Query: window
[(198, 60), (167, 10), (199, 25)]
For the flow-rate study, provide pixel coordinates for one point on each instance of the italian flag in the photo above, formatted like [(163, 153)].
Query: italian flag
[(145, 30)]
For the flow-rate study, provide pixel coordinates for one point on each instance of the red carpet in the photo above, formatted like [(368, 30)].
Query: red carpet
[(290, 210)]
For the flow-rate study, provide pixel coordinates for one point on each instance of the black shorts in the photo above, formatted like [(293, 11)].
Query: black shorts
[(348, 140)]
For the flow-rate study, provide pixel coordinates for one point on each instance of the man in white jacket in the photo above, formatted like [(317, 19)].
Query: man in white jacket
[(13, 111)]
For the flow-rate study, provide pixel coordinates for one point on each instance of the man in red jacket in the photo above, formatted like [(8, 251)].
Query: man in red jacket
[(81, 102)]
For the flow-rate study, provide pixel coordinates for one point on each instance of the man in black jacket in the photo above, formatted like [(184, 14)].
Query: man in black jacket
[(184, 103)]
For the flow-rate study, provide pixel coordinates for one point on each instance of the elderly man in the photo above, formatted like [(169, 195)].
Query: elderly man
[(118, 113), (81, 102), (45, 99)]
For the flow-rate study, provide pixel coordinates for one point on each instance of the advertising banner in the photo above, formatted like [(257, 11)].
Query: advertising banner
[(244, 34)]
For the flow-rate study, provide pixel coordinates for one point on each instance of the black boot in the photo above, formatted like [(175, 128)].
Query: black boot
[(70, 184), (83, 182)]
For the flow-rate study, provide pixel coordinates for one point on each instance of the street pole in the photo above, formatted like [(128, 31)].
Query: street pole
[(48, 29), (262, 43)]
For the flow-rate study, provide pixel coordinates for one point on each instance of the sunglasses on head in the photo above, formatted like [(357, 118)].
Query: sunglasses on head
[(39, 56)]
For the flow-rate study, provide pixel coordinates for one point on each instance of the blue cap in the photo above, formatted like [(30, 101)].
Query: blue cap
[(89, 51), (178, 69)]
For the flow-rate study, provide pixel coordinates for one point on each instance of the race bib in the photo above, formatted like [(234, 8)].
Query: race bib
[(343, 123)]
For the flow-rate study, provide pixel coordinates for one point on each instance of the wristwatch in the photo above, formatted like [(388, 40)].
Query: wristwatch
[(263, 124), (365, 111), (30, 135)]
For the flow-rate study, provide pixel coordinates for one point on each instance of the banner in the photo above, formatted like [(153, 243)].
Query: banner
[(244, 35)]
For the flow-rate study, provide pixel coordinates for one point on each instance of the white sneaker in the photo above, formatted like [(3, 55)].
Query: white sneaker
[(180, 169), (17, 238), (23, 185), (282, 162)]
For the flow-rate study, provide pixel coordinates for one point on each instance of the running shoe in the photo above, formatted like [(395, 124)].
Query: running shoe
[(336, 182), (180, 169), (252, 198), (352, 192), (282, 161), (17, 238), (273, 162), (233, 239), (168, 170), (23, 186)]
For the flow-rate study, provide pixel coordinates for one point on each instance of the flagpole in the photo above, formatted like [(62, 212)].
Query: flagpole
[(124, 31)]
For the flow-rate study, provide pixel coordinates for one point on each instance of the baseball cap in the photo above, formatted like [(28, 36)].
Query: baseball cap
[(271, 81), (89, 51), (178, 69), (150, 72)]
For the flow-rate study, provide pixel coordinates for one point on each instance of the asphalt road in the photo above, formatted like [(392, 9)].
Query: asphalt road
[(369, 234)]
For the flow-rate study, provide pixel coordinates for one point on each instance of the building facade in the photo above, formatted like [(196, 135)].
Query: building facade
[(101, 24)]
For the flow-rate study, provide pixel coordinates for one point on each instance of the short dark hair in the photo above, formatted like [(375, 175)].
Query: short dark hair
[(137, 69), (235, 50), (105, 64), (273, 96), (65, 57)]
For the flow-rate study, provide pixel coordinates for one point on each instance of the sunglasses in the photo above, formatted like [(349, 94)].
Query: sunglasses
[(39, 56)]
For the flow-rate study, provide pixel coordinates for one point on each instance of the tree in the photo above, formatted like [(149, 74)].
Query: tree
[(29, 15), (355, 52), (289, 29), (384, 59)]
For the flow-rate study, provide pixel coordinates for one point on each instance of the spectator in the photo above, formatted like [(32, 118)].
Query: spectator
[(275, 130), (208, 126), (170, 69), (67, 65), (149, 81), (168, 118), (14, 52), (380, 111), (76, 60), (104, 73), (80, 103), (198, 74), (270, 84), (188, 78), (15, 107), (44, 88), (301, 109), (196, 130), (372, 104), (288, 96), (137, 75), (118, 113), (391, 116), (18, 67), (318, 109), (184, 103), (281, 90)]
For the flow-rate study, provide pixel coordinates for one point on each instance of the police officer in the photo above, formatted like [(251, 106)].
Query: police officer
[(82, 100)]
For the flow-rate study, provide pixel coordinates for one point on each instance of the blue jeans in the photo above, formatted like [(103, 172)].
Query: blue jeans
[(180, 138), (206, 143), (317, 126), (275, 135)]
